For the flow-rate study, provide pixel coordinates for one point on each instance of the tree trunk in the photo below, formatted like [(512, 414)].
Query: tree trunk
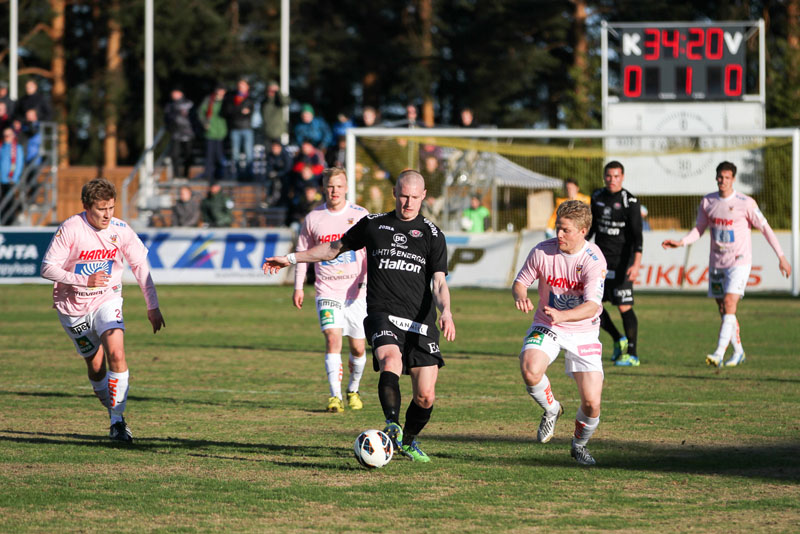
[(580, 67), (426, 23), (113, 77), (59, 84)]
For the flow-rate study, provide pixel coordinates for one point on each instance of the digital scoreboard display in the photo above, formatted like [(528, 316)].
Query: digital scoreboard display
[(691, 62)]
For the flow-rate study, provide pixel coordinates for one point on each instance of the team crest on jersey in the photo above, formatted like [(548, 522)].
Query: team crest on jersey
[(578, 269), (113, 238), (58, 233), (415, 233), (617, 205), (350, 220)]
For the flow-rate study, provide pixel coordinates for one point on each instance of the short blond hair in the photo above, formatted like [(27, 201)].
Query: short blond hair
[(577, 212), (97, 189), (330, 172)]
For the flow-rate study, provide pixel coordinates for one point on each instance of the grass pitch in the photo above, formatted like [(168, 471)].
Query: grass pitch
[(227, 409)]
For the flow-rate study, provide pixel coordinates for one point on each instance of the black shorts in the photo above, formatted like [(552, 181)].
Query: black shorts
[(618, 290), (419, 343)]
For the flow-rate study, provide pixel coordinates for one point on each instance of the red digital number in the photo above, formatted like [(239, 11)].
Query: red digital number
[(696, 40), (733, 73), (632, 83), (652, 40), (688, 80), (714, 43), (674, 42)]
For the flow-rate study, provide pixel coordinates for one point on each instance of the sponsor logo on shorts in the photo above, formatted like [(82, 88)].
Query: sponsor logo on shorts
[(433, 348), (84, 344), (624, 295), (536, 338), (78, 328), (383, 333), (408, 325), (326, 317), (399, 265), (327, 303), (592, 349)]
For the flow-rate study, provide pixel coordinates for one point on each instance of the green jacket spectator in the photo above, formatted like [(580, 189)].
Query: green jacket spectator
[(217, 208)]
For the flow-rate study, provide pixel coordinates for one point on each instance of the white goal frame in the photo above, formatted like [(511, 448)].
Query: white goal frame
[(792, 133)]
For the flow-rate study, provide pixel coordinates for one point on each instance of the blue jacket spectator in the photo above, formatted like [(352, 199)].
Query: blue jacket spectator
[(313, 129), (12, 158)]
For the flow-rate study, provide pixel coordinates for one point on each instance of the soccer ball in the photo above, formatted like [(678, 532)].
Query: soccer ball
[(373, 448)]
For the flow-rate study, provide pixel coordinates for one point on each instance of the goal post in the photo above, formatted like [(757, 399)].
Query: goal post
[(519, 172)]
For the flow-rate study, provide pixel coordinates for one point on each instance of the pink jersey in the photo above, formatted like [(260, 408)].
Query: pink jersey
[(344, 277), (730, 220), (78, 249), (565, 282)]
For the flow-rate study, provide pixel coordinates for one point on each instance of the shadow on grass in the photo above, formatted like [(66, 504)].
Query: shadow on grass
[(773, 461), (199, 448), (140, 398)]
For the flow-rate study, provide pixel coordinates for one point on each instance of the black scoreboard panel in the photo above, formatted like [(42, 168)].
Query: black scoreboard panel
[(691, 62)]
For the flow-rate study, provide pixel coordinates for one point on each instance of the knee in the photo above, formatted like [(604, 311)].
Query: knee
[(531, 376), (425, 399), (116, 356), (590, 407)]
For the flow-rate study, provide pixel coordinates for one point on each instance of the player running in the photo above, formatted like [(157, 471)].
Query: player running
[(730, 215), (84, 260), (571, 274), (617, 231), (406, 266), (340, 286)]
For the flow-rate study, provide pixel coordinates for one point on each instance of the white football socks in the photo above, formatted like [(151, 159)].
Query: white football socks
[(543, 395), (100, 388), (584, 428), (726, 331), (736, 339), (118, 391), (333, 367), (356, 365)]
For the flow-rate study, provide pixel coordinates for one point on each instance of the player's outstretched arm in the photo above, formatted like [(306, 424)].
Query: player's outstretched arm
[(670, 243), (322, 252), (521, 300), (156, 319), (441, 298)]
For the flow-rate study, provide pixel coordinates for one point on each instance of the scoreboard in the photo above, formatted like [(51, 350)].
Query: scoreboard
[(682, 62)]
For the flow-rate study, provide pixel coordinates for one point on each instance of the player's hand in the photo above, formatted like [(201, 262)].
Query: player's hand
[(632, 273), (297, 298), (156, 319), (556, 315), (670, 243), (274, 264), (524, 304), (447, 326), (786, 269), (98, 279)]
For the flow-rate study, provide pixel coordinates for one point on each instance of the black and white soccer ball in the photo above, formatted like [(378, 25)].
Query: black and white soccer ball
[(373, 449)]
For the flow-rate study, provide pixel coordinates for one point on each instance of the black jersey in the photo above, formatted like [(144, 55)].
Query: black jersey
[(401, 259), (616, 226)]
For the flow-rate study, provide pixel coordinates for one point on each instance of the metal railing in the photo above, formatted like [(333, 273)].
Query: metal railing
[(129, 201), (33, 199)]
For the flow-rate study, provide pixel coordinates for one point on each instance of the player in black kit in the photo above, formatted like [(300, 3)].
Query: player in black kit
[(405, 253), (617, 231)]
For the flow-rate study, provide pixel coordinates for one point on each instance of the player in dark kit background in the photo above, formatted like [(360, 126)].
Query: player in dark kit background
[(617, 231), (406, 270)]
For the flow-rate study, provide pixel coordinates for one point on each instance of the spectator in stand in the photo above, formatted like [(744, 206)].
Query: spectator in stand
[(215, 127), (238, 110), (343, 122), (32, 133), (412, 117), (279, 171), (337, 156), (186, 211), (34, 99), (308, 199), (5, 116), (308, 164), (475, 219), (272, 112), (467, 118), (313, 129), (6, 99), (217, 208), (178, 120), (12, 159), (573, 193), (369, 117)]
